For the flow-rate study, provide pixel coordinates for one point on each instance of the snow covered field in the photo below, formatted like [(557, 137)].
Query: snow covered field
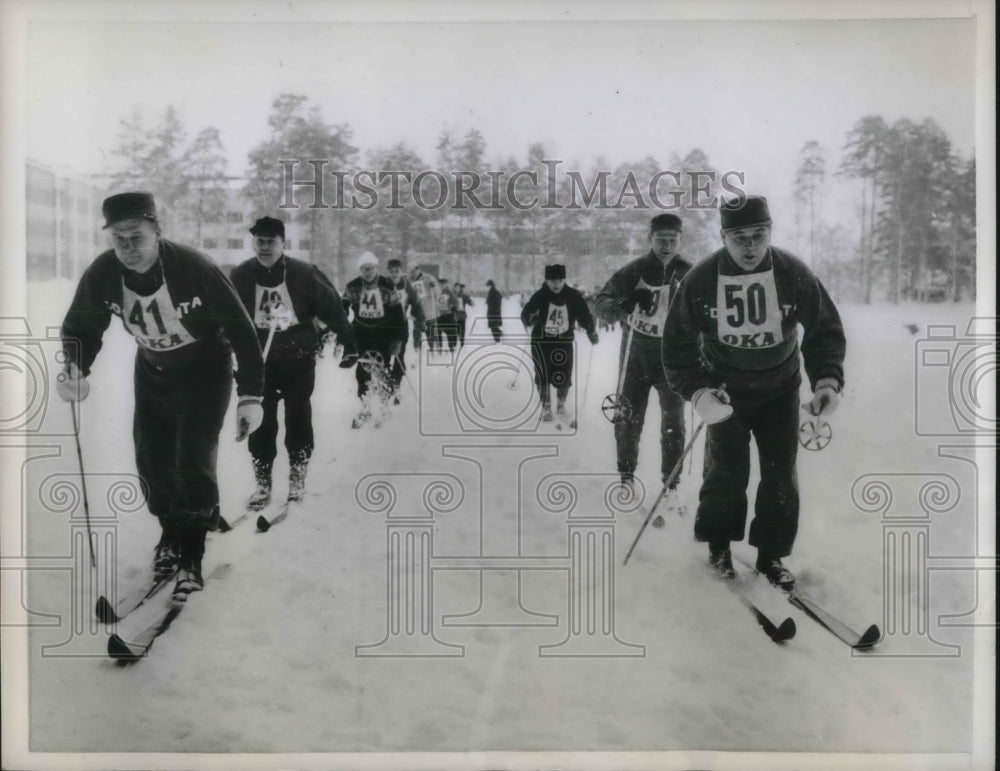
[(265, 660)]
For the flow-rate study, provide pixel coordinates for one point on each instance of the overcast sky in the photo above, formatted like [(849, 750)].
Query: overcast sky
[(750, 94)]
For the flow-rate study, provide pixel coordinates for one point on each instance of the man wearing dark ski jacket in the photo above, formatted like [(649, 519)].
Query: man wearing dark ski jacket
[(494, 312), (731, 346), (188, 322), (552, 313), (639, 295), (379, 328), (284, 296), (409, 299)]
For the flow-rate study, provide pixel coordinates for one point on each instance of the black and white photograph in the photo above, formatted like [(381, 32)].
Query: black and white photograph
[(498, 386)]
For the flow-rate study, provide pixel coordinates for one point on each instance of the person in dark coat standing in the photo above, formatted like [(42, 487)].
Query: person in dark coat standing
[(284, 296), (731, 346), (494, 314), (462, 301), (552, 313), (446, 329), (188, 323)]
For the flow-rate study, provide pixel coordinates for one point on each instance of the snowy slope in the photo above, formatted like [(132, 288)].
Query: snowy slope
[(264, 659)]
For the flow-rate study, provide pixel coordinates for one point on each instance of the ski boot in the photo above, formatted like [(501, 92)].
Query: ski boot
[(720, 559), (189, 580), (674, 503), (298, 466), (362, 417), (262, 494), (165, 556), (192, 547), (776, 573)]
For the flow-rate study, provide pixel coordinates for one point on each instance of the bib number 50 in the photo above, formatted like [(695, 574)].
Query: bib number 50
[(749, 306)]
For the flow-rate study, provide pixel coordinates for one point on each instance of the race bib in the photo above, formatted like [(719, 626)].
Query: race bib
[(421, 289), (370, 306), (748, 314), (273, 305), (556, 320), (651, 323), (153, 320)]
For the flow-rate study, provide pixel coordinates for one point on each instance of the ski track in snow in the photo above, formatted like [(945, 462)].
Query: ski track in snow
[(264, 659)]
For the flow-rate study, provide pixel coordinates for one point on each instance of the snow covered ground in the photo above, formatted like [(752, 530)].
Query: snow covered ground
[(265, 659)]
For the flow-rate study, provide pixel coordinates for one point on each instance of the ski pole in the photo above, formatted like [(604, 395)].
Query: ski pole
[(669, 481), (586, 378), (628, 349), (270, 337), (616, 407), (83, 484), (393, 361), (691, 413)]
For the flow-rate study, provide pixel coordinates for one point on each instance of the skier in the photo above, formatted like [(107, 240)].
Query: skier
[(638, 295), (462, 301), (446, 316), (408, 298), (494, 314), (188, 322), (731, 345), (426, 287), (379, 327), (287, 295), (551, 313)]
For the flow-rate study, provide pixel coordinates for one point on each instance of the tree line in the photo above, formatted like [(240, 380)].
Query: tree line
[(916, 209), (916, 205)]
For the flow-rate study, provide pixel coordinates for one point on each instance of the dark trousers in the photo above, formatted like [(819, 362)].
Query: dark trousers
[(291, 380), (497, 334), (175, 428), (372, 341), (431, 331), (448, 327), (398, 367), (722, 507), (553, 360), (645, 371), (460, 328)]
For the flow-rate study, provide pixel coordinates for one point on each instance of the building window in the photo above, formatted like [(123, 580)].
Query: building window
[(210, 243), (235, 243), (305, 243), (234, 217)]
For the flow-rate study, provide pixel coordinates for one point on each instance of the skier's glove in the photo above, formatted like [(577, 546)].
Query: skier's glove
[(642, 299), (349, 360), (592, 336), (249, 416), (826, 397), (711, 404), (71, 384)]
